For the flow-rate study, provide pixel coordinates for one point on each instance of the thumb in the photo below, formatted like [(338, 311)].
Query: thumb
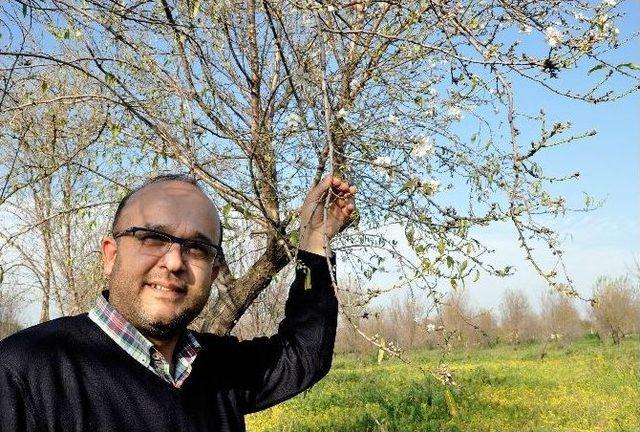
[(318, 191)]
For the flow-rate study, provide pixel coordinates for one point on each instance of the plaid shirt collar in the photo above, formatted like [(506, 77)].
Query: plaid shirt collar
[(140, 348)]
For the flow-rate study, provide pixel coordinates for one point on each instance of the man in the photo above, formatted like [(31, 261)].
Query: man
[(130, 364)]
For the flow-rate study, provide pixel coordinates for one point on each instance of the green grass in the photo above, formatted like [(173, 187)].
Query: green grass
[(587, 386)]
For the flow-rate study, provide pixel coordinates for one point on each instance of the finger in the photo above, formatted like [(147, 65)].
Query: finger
[(344, 189), (348, 210), (344, 186), (318, 192)]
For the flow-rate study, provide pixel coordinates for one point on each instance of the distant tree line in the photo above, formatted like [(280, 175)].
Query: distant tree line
[(451, 323), (456, 323)]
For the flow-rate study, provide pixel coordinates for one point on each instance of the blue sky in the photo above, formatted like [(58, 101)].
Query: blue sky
[(604, 241)]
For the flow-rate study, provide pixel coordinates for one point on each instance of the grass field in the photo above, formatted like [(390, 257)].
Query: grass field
[(586, 386)]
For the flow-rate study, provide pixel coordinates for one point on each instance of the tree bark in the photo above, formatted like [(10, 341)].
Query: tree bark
[(234, 299)]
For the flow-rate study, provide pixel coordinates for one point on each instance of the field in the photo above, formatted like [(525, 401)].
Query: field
[(585, 386)]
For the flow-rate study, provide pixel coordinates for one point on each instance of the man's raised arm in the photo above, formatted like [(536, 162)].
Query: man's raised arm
[(300, 354)]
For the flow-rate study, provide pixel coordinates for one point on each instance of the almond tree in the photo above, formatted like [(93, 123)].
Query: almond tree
[(49, 219), (260, 99), (616, 308)]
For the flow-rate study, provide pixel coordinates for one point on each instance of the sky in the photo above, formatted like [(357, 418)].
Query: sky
[(604, 241), (601, 242)]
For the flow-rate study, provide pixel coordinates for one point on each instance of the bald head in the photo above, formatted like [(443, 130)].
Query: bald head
[(166, 195)]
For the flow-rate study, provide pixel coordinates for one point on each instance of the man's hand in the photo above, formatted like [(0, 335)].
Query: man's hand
[(313, 227)]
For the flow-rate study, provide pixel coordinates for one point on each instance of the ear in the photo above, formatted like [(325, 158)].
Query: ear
[(109, 249), (215, 270)]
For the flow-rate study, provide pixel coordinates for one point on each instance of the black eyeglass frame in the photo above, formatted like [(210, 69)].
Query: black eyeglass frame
[(131, 231)]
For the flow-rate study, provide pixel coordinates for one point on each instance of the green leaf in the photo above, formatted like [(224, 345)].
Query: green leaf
[(632, 66), (595, 68), (109, 78), (454, 283), (449, 262), (294, 237), (409, 234), (451, 403), (463, 266), (25, 9), (307, 279), (441, 246), (426, 265), (381, 351), (115, 131), (196, 9), (477, 276)]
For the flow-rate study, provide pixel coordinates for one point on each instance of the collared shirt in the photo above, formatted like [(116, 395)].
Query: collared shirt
[(140, 348)]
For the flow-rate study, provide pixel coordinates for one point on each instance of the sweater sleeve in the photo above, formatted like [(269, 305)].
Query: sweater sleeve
[(300, 353), (15, 407)]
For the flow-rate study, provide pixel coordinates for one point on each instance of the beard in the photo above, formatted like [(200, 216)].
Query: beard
[(165, 330)]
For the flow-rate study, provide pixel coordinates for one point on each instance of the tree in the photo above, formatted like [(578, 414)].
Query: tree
[(519, 323), (616, 308), (8, 316), (486, 326), (259, 100), (406, 323), (51, 227), (559, 317)]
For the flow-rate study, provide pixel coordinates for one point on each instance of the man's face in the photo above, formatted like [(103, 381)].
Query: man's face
[(161, 295)]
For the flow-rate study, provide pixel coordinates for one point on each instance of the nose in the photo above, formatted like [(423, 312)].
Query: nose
[(172, 259)]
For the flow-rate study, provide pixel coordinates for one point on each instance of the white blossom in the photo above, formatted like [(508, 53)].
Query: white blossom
[(331, 8), (393, 119), (383, 166), (525, 29), (553, 36), (432, 186), (602, 19), (455, 113), (429, 112), (293, 121), (609, 3), (579, 16), (431, 328), (342, 113), (307, 19), (382, 161), (422, 147)]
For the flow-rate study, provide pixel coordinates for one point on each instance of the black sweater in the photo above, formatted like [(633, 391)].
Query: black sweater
[(68, 375)]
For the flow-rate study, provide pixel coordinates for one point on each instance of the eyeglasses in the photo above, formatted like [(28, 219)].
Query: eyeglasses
[(158, 243)]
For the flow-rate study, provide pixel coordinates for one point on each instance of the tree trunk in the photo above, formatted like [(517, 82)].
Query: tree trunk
[(234, 298)]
